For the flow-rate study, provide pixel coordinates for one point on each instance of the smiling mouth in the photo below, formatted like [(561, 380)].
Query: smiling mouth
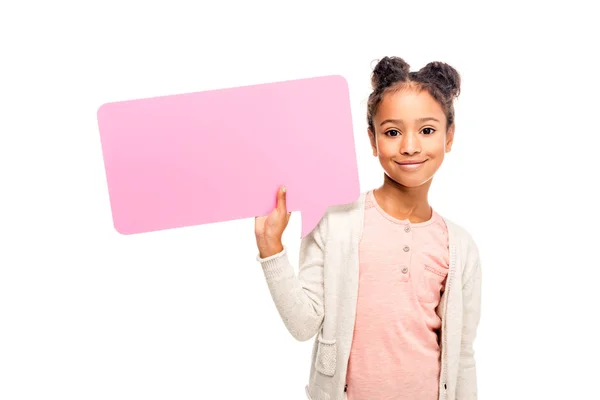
[(410, 162), (410, 165)]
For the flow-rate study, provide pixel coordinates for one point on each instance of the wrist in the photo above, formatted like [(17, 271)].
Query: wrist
[(270, 249)]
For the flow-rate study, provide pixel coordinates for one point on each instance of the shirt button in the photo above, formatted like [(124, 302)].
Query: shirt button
[(407, 228), (406, 248), (404, 270)]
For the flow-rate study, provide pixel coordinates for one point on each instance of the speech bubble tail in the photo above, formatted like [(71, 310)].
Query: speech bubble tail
[(310, 219)]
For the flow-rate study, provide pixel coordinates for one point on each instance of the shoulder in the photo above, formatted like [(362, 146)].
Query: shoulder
[(344, 209), (341, 217), (464, 239), (459, 233)]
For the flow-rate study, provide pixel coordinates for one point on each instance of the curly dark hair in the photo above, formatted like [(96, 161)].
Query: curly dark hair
[(393, 73)]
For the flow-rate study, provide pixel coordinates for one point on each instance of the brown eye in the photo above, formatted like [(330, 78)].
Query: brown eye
[(392, 132), (428, 131)]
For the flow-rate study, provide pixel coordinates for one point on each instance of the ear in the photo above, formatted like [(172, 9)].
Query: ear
[(449, 138), (373, 142)]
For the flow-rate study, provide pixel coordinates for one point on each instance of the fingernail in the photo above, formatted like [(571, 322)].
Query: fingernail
[(283, 189)]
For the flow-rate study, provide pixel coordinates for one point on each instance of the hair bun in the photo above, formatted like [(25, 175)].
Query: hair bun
[(388, 71), (445, 77)]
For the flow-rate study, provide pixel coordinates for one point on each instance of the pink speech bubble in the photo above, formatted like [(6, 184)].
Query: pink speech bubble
[(220, 155)]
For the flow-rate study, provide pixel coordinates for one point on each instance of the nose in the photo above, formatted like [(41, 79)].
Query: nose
[(410, 144)]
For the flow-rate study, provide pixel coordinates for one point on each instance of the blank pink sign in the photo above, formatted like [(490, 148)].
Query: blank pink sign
[(220, 155)]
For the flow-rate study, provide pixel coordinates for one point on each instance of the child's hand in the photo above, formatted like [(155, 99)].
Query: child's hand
[(269, 229)]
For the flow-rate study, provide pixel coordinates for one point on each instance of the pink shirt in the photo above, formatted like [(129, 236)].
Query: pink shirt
[(403, 267)]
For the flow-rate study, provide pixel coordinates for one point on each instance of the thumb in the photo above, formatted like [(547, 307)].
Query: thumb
[(282, 200)]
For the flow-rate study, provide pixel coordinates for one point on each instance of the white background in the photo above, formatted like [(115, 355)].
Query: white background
[(86, 313)]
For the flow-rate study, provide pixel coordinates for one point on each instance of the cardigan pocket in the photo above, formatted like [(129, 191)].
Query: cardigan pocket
[(326, 358), (315, 393)]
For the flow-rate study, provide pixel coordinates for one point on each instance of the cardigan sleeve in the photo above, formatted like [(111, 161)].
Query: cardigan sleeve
[(466, 388), (298, 298)]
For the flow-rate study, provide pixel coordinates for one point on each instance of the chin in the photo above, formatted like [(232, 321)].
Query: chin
[(413, 182)]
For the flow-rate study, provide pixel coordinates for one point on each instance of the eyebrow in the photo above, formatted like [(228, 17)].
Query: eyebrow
[(399, 121)]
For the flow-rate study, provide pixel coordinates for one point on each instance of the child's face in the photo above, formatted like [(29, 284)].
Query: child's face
[(402, 136)]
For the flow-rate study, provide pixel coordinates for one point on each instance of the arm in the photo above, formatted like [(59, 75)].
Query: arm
[(299, 299), (466, 388)]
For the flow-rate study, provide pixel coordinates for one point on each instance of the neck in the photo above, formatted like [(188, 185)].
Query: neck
[(406, 203)]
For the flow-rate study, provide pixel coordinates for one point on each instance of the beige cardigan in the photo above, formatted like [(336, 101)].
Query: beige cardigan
[(321, 300)]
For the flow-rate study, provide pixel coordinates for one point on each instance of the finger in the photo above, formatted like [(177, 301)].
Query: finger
[(288, 216), (259, 222), (281, 200)]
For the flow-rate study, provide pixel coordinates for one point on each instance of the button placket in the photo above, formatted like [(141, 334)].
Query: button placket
[(405, 247)]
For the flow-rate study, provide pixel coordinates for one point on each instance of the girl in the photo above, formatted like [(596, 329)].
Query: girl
[(390, 288)]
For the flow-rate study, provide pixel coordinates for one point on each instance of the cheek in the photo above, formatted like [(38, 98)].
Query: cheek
[(436, 147), (387, 148)]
